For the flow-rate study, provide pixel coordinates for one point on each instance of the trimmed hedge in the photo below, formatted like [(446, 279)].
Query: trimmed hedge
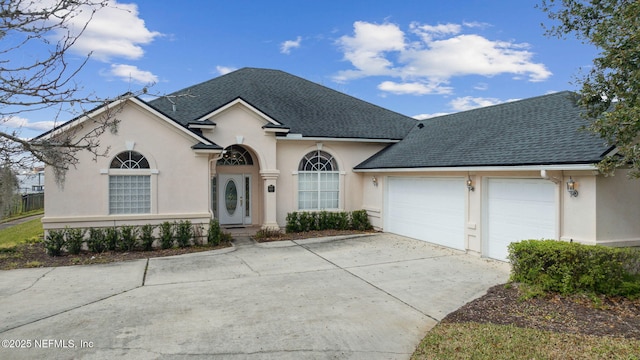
[(567, 267), (327, 220), (132, 238)]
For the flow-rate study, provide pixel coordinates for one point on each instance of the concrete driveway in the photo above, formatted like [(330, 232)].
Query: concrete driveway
[(368, 297)]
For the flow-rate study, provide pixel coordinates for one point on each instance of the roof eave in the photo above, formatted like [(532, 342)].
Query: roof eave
[(298, 137), (489, 168)]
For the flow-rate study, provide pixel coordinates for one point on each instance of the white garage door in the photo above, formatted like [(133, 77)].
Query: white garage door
[(430, 209), (518, 209)]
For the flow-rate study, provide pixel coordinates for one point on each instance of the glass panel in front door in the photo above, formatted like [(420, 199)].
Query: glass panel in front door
[(231, 196)]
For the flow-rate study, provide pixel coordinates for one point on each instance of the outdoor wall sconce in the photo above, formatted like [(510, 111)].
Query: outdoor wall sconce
[(374, 180), (470, 185), (571, 187)]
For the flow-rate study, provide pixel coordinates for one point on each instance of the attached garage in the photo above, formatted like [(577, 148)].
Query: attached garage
[(429, 209), (518, 209)]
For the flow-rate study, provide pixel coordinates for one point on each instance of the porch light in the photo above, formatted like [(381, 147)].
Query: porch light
[(374, 180), (571, 187), (470, 185)]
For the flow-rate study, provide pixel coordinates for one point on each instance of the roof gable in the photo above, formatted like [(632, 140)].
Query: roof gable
[(300, 105), (544, 130), (104, 110)]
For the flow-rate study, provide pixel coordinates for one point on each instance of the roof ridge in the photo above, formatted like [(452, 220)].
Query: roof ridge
[(502, 104)]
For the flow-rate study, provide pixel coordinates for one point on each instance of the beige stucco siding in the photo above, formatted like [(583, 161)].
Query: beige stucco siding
[(617, 204), (347, 155), (241, 125), (579, 218), (179, 177)]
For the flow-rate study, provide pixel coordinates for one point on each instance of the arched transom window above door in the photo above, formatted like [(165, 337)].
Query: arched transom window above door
[(236, 155)]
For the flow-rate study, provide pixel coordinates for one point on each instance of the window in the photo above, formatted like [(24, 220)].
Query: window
[(129, 160), (236, 155), (318, 182), (130, 194)]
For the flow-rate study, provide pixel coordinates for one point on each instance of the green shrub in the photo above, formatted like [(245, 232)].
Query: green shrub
[(327, 220), (97, 242), (360, 220), (74, 239), (54, 242), (184, 233), (214, 233), (112, 237), (342, 221), (307, 221), (166, 235), (146, 237), (293, 224), (566, 268), (129, 237), (324, 222)]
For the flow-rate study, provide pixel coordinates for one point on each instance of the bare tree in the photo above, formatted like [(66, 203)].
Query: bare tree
[(8, 190), (36, 74)]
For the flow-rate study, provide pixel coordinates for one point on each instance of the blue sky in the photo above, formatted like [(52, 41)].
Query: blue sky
[(417, 57)]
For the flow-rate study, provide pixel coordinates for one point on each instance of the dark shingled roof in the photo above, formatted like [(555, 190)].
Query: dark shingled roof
[(302, 106), (543, 130)]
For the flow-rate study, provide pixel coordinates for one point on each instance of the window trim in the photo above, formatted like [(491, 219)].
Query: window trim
[(317, 171), (153, 185)]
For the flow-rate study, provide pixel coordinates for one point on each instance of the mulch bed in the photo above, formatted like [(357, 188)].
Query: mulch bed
[(312, 234), (35, 255), (577, 314)]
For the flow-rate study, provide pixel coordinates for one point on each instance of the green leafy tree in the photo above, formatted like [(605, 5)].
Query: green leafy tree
[(611, 89)]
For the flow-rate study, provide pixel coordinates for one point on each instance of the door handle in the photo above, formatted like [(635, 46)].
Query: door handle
[(240, 200)]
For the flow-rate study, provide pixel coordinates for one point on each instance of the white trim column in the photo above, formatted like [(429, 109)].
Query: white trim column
[(269, 217)]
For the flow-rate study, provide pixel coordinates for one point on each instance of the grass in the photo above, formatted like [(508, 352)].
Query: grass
[(491, 341), (30, 231)]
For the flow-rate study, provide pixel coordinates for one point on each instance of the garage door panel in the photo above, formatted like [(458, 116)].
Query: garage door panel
[(427, 209), (518, 209)]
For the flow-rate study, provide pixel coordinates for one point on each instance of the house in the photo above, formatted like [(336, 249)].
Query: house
[(253, 145)]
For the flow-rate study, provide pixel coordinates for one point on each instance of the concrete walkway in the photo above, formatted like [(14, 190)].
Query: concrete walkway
[(10, 223), (371, 297)]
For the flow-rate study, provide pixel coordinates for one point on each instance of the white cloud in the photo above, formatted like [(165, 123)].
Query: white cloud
[(368, 48), (429, 116), (130, 72), (286, 46), (473, 55), (440, 53), (114, 31), (414, 88), (225, 69), (15, 122), (469, 102), (429, 32)]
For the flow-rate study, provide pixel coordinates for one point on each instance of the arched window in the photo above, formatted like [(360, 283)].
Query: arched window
[(129, 160), (129, 193), (318, 181), (236, 155)]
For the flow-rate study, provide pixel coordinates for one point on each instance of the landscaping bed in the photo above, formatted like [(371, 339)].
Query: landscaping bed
[(32, 255), (576, 314)]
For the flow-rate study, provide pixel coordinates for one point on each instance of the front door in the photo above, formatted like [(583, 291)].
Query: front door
[(233, 194)]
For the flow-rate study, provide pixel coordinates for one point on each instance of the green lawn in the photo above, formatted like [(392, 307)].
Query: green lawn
[(490, 341), (21, 233)]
